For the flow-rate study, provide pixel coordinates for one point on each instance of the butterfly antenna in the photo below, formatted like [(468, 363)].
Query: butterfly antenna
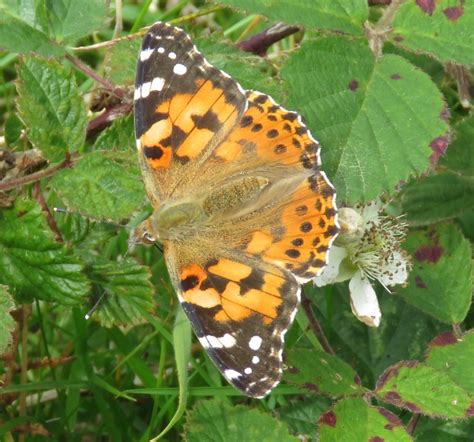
[(88, 217)]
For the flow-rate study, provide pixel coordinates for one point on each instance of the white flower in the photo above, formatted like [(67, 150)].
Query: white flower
[(367, 249)]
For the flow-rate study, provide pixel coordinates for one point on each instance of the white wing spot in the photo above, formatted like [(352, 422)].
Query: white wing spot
[(180, 69), (232, 374), (161, 50), (255, 342), (248, 370), (255, 360), (145, 54), (137, 94), (172, 55), (157, 84), (146, 89), (209, 341), (139, 144)]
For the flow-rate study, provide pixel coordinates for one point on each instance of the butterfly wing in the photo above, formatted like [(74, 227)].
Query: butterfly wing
[(184, 107)]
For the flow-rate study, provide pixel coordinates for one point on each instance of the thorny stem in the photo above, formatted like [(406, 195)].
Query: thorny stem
[(38, 195), (28, 179), (120, 93), (379, 33), (315, 325), (412, 423)]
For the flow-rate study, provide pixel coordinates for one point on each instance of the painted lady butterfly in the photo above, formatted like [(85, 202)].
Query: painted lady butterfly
[(241, 208)]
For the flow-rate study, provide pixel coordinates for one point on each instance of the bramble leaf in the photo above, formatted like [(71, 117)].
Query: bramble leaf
[(51, 107), (423, 389), (71, 19), (453, 356), (7, 323), (355, 420), (32, 264), (216, 421), (102, 186), (338, 15), (320, 372), (437, 198), (373, 132), (128, 292), (441, 28), (19, 36), (440, 282)]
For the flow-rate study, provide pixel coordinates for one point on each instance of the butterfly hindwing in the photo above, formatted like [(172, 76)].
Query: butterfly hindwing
[(240, 310)]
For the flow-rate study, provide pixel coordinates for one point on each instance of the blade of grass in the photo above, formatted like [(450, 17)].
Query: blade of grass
[(182, 353)]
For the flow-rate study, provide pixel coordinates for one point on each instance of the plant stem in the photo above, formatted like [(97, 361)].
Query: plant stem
[(120, 93), (28, 179), (412, 423), (315, 325), (38, 195)]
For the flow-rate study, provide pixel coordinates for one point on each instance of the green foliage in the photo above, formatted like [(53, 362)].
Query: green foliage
[(7, 323), (32, 263), (354, 419), (381, 134), (217, 421), (442, 29), (50, 107), (440, 283), (384, 89), (317, 371), (340, 15), (97, 184)]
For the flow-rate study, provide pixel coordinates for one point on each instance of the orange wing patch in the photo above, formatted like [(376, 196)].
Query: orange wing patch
[(237, 290), (273, 133), (308, 226)]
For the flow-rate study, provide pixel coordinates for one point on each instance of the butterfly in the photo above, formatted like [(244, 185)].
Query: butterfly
[(241, 209)]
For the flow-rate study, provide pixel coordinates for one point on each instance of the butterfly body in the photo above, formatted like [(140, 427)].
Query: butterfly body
[(241, 207)]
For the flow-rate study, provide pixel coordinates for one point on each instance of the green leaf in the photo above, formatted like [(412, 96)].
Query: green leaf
[(72, 19), (101, 186), (440, 282), (7, 323), (16, 35), (460, 154), (424, 389), (339, 15), (320, 372), (119, 136), (362, 422), (121, 62), (300, 416), (437, 198), (13, 128), (128, 292), (32, 264), (182, 353), (50, 107), (442, 29), (453, 356), (373, 132), (215, 421)]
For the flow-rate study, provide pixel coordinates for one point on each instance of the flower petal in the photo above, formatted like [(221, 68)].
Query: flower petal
[(364, 303), (395, 270), (330, 272)]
